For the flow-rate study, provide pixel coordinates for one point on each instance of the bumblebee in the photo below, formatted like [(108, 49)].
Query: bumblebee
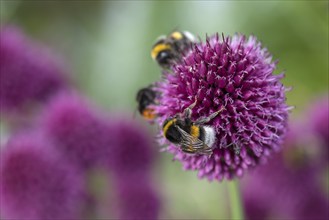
[(192, 136), (169, 49), (146, 97)]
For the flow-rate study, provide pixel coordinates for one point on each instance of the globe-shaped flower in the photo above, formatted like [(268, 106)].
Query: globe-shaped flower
[(29, 74), (132, 150), (235, 74), (79, 130), (136, 198), (36, 183), (319, 120), (280, 180)]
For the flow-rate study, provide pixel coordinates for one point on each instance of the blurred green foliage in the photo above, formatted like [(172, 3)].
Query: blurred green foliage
[(106, 45)]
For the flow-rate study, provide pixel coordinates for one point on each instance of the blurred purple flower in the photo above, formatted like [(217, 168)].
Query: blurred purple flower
[(132, 151), (236, 74), (319, 120), (80, 132), (131, 158), (136, 198), (29, 73), (289, 186), (36, 183)]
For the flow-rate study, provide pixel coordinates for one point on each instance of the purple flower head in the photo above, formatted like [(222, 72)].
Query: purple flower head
[(36, 183), (235, 74), (79, 130), (137, 199), (289, 186), (319, 120), (29, 74), (132, 150)]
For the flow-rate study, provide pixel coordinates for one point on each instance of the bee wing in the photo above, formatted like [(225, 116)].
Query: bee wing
[(189, 139), (191, 144)]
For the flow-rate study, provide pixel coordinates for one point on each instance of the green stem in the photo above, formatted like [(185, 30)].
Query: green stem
[(235, 200)]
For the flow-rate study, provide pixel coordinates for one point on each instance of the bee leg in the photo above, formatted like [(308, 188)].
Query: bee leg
[(236, 149), (188, 111), (188, 150), (207, 151), (209, 118)]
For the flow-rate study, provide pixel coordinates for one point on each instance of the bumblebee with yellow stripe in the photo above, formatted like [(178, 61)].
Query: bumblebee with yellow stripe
[(169, 49), (145, 98), (192, 136)]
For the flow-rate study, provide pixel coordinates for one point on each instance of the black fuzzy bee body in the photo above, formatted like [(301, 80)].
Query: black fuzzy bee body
[(169, 49), (192, 136)]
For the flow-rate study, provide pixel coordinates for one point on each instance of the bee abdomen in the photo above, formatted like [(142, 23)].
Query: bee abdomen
[(208, 135)]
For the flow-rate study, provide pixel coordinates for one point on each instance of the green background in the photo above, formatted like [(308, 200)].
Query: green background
[(106, 46)]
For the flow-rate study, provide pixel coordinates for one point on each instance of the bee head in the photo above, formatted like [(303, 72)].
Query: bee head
[(146, 95), (170, 130), (159, 47), (140, 94)]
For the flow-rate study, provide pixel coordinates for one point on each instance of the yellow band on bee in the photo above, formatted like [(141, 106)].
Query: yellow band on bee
[(166, 127), (177, 35), (158, 48), (195, 131)]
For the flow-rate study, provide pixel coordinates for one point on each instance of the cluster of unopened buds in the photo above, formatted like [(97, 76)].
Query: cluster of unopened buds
[(220, 108)]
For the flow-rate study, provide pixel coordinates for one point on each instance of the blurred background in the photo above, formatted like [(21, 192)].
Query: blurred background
[(106, 46)]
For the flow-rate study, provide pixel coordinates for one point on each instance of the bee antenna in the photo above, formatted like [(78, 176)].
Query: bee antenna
[(221, 109), (236, 149)]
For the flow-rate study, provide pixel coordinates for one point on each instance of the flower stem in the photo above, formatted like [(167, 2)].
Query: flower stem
[(235, 200)]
